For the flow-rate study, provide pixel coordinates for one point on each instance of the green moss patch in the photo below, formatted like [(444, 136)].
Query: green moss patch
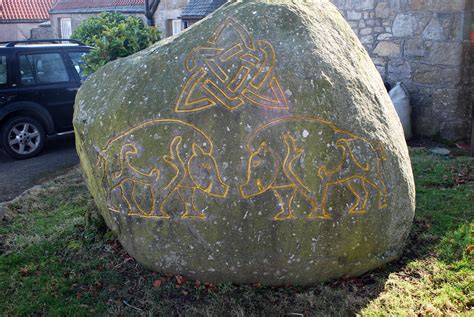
[(53, 263)]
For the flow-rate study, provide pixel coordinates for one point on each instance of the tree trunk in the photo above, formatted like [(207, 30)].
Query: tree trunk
[(150, 8)]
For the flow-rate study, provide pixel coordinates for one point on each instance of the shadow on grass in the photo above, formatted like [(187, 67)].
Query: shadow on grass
[(52, 264)]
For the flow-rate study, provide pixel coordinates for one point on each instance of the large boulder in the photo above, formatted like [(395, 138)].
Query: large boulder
[(258, 146)]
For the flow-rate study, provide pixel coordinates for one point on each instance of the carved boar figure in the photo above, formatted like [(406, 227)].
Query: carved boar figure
[(313, 157), (145, 172)]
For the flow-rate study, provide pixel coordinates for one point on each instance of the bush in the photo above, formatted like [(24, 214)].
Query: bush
[(113, 35)]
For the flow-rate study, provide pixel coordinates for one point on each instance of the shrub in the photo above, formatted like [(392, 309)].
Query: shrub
[(113, 35)]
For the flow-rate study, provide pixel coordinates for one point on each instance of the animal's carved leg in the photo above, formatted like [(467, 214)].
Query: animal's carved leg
[(382, 194), (127, 188), (359, 188), (186, 194), (320, 212), (116, 200), (143, 198), (160, 205), (285, 197)]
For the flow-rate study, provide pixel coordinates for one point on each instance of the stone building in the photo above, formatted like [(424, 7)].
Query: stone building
[(167, 17), (66, 15), (426, 45), (173, 16), (19, 17)]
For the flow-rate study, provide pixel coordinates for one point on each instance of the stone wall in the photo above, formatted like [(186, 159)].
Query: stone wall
[(168, 10), (16, 31), (42, 33), (424, 44)]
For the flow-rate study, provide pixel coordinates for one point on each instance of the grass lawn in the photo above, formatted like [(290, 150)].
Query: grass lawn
[(51, 263)]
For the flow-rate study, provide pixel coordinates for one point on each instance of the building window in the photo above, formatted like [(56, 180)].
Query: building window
[(177, 26), (65, 25)]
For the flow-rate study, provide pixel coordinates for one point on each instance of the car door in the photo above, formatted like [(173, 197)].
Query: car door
[(45, 79), (8, 89), (77, 62)]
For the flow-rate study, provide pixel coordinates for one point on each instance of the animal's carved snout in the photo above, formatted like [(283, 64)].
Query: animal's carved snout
[(205, 174)]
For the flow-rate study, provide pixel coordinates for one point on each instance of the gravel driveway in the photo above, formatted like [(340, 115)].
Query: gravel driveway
[(16, 176)]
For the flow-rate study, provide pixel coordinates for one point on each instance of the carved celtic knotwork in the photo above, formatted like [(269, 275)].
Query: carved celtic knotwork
[(230, 74)]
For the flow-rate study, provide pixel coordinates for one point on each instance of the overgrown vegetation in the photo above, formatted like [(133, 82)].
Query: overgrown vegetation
[(113, 35), (52, 264)]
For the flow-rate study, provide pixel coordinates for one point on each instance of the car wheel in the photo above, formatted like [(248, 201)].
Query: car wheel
[(23, 137)]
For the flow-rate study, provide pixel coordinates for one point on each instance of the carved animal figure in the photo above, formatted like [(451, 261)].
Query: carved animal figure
[(313, 157), (156, 163), (130, 183)]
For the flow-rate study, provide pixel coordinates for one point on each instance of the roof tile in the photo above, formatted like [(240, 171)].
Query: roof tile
[(201, 8), (64, 5), (36, 10)]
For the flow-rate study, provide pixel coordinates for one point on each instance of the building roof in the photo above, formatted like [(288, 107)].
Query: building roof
[(201, 8), (93, 6), (24, 10)]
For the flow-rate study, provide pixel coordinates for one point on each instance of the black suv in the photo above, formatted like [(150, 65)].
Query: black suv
[(38, 84)]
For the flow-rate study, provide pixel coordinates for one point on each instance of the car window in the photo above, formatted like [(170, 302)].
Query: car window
[(77, 59), (42, 69), (3, 69)]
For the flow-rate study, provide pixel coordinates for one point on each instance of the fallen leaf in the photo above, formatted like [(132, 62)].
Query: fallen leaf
[(157, 284), (210, 287), (180, 279), (24, 271)]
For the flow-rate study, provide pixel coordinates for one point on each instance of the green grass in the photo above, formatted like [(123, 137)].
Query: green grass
[(51, 263)]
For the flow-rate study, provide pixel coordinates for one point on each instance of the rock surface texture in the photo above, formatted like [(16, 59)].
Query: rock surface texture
[(258, 146)]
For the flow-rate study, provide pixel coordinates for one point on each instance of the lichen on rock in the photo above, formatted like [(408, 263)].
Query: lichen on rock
[(258, 146)]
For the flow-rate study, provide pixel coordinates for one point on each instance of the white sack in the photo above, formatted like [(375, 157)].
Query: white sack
[(401, 101)]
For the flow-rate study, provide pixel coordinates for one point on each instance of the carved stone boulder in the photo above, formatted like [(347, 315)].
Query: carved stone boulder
[(258, 146)]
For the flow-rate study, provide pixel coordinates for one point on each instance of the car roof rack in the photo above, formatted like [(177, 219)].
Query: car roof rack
[(53, 41)]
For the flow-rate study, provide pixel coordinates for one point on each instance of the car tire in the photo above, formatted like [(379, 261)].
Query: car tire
[(23, 137)]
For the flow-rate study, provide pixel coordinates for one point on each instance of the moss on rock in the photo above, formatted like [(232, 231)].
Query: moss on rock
[(258, 146)]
